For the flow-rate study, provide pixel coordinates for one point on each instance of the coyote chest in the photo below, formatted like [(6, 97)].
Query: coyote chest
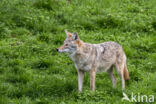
[(82, 62)]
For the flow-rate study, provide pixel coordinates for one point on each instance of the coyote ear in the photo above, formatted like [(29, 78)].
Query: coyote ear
[(75, 36), (68, 33)]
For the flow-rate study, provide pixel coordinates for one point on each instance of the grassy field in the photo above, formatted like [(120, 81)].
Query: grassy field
[(32, 72)]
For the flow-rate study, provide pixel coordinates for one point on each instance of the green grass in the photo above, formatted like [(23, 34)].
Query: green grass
[(32, 72)]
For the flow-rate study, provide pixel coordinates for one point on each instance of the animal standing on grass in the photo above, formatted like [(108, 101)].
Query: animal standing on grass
[(95, 58)]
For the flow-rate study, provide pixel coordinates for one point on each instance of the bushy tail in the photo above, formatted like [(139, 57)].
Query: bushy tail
[(126, 73)]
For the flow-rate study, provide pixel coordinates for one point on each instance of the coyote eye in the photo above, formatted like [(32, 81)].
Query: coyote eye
[(66, 44)]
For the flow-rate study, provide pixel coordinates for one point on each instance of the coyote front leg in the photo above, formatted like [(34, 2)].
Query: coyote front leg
[(92, 79), (80, 80)]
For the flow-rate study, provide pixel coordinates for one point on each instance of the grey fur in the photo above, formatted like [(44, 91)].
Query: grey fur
[(97, 58)]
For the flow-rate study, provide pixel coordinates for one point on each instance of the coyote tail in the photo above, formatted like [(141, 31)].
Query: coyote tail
[(126, 73)]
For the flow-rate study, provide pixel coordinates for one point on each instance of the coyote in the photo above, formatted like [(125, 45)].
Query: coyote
[(94, 58)]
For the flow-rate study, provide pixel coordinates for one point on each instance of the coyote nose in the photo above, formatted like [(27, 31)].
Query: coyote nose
[(57, 49)]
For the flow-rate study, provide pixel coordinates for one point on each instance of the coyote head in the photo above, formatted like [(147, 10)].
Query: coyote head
[(71, 43)]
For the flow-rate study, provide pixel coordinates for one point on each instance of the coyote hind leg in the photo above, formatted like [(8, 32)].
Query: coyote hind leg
[(120, 70), (110, 73)]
